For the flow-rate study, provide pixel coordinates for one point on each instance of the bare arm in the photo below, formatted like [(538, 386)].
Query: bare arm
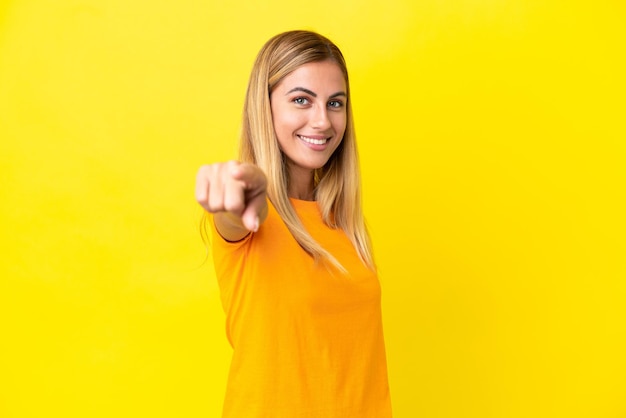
[(236, 193)]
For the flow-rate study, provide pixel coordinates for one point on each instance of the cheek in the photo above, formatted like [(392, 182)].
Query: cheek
[(285, 121), (285, 125), (339, 123)]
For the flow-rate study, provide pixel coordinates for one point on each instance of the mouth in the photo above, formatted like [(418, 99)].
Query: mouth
[(314, 141)]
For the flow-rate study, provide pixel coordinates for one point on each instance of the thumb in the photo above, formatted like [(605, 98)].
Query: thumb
[(253, 178)]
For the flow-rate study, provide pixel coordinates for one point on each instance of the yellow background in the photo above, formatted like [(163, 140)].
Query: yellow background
[(493, 147)]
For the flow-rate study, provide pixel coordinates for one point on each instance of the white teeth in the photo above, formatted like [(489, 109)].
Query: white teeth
[(313, 141)]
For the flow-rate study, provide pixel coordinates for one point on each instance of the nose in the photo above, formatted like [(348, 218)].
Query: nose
[(320, 119)]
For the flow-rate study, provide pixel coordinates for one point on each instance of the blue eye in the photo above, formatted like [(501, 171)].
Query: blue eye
[(335, 104), (300, 100)]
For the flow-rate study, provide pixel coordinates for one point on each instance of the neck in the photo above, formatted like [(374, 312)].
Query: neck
[(301, 184)]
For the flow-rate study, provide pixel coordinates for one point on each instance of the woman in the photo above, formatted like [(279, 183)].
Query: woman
[(291, 252)]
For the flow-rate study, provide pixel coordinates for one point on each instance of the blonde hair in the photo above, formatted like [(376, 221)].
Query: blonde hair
[(338, 183)]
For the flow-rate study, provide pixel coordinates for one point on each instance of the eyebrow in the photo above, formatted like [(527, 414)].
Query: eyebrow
[(311, 93)]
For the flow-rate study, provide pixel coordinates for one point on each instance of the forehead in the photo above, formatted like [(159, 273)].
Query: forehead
[(317, 76)]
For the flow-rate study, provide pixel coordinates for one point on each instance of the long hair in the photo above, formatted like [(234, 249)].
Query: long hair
[(338, 183)]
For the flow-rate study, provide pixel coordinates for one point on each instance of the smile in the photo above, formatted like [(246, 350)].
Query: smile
[(313, 141)]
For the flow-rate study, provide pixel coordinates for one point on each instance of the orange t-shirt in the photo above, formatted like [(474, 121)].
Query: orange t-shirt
[(306, 342)]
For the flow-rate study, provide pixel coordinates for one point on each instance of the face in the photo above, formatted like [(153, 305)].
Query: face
[(309, 114)]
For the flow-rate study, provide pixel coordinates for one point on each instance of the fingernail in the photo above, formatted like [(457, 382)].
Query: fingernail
[(256, 224)]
